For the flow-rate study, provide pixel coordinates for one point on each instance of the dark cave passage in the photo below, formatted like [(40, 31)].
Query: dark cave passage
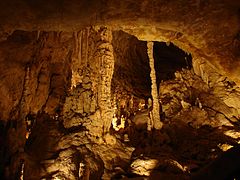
[(132, 70), (131, 83), (168, 59)]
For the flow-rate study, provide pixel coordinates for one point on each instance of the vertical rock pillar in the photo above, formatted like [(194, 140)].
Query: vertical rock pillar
[(106, 72), (157, 124)]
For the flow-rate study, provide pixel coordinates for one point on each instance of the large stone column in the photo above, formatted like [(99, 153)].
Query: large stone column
[(157, 124), (92, 71), (106, 72)]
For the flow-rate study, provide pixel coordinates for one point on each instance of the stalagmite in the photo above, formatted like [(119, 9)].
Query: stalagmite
[(114, 123), (22, 171), (157, 124), (106, 72), (38, 34)]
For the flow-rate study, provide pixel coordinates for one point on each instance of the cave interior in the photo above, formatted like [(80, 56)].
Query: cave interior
[(119, 101)]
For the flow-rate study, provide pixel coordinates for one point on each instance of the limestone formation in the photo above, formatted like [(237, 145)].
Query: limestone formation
[(157, 124), (163, 74)]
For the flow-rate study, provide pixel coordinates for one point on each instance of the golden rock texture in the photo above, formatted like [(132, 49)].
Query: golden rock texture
[(207, 29), (66, 66)]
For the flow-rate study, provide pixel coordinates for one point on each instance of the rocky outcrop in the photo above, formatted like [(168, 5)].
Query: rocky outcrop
[(63, 89), (189, 88), (38, 66), (220, 86)]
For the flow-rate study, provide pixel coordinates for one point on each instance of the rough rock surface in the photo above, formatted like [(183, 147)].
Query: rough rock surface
[(157, 124), (70, 75), (65, 85), (63, 69), (202, 99), (207, 29), (130, 57)]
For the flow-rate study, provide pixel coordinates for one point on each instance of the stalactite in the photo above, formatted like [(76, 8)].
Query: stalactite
[(75, 43), (27, 78), (80, 47), (38, 35), (157, 124), (26, 91), (86, 53), (80, 55)]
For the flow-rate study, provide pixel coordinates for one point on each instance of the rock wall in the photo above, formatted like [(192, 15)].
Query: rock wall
[(38, 68), (220, 86), (92, 70), (130, 59), (60, 83), (190, 99), (35, 80)]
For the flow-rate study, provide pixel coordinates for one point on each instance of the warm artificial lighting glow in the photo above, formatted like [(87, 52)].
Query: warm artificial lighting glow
[(57, 178), (61, 88), (81, 169), (141, 106), (233, 134), (225, 147), (185, 105), (27, 134), (115, 125), (122, 125), (144, 166), (22, 171), (198, 103), (126, 138), (76, 78), (29, 124), (114, 122)]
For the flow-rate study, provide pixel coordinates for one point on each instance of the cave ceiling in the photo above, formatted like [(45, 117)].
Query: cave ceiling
[(206, 29)]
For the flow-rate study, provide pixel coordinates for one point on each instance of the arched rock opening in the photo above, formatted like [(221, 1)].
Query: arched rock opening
[(169, 59), (132, 71)]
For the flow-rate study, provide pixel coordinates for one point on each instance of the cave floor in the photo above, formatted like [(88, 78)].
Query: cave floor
[(177, 151)]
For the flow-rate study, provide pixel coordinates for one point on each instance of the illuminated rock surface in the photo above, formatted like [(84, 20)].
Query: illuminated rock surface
[(68, 67)]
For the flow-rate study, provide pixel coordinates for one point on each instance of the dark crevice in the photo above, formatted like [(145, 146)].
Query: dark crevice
[(132, 70), (168, 59)]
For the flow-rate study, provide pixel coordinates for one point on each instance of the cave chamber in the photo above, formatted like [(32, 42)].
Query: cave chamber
[(63, 90), (127, 90)]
